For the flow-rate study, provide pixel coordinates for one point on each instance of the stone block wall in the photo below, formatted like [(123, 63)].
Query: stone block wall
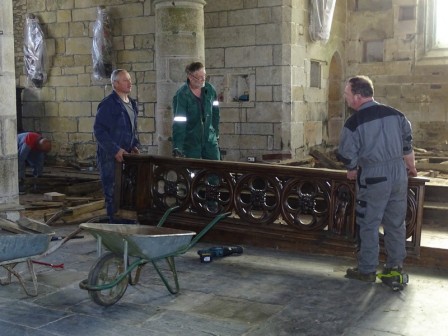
[(8, 121), (407, 78), (64, 109), (258, 55), (262, 49)]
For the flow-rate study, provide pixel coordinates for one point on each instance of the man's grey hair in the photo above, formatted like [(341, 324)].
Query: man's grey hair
[(114, 75)]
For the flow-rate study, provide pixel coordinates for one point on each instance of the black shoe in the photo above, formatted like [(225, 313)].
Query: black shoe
[(22, 188), (354, 273)]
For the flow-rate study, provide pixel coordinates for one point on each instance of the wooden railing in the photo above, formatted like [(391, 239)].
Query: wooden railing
[(272, 205)]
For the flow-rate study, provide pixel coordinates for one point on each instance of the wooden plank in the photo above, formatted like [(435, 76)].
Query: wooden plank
[(82, 218), (83, 188), (34, 225), (85, 208), (432, 166), (11, 226), (46, 204), (437, 159)]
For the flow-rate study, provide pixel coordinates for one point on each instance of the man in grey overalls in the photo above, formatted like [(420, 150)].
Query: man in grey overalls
[(376, 148)]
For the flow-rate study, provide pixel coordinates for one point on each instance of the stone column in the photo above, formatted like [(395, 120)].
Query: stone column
[(179, 41), (8, 121)]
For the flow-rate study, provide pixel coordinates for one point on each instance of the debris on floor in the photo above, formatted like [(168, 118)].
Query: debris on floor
[(63, 196)]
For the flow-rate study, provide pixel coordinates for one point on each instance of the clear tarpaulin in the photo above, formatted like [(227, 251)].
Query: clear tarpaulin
[(102, 45), (34, 49), (321, 17)]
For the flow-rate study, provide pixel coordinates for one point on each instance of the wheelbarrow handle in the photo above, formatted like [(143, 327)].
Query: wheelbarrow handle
[(166, 214), (205, 230)]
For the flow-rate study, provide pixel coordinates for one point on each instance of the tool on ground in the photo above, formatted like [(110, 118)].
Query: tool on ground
[(394, 279), (207, 255), (63, 237), (48, 264)]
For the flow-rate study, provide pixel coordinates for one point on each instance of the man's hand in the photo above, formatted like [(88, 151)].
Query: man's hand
[(119, 155), (412, 171), (177, 153), (352, 174), (135, 150)]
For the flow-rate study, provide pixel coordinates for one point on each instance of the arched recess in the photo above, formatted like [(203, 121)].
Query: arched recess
[(336, 105)]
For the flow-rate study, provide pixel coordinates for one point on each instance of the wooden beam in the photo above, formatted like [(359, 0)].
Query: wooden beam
[(443, 168), (11, 226), (325, 161), (83, 188), (84, 208)]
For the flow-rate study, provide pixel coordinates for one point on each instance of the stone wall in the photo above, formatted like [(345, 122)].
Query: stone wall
[(8, 140), (258, 55), (262, 49), (64, 109), (406, 77)]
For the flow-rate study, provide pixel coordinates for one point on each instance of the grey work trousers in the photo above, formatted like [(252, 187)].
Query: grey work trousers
[(381, 200)]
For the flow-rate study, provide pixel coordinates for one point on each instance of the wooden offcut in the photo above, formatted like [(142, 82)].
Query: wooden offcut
[(84, 208), (54, 196)]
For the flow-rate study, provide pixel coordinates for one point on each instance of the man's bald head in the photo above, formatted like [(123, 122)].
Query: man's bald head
[(44, 145)]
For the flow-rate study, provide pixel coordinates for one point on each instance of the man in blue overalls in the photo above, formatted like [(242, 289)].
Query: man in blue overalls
[(115, 130), (376, 148)]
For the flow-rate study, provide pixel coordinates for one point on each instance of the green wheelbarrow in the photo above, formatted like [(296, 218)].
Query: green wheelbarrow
[(110, 275)]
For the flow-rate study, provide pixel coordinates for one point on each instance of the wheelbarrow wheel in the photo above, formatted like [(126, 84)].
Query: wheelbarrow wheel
[(105, 270)]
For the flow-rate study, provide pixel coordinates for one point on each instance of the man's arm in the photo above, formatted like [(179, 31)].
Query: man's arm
[(101, 129), (23, 152), (409, 160), (179, 123)]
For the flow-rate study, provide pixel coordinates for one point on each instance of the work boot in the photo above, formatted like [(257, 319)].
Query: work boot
[(354, 273)]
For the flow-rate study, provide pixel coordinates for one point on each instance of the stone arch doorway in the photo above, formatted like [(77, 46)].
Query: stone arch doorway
[(336, 103)]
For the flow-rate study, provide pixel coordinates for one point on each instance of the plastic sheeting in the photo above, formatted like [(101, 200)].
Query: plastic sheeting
[(102, 45), (321, 17), (34, 49)]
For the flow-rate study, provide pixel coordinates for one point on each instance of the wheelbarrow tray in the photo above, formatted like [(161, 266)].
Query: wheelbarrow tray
[(146, 242), (17, 246)]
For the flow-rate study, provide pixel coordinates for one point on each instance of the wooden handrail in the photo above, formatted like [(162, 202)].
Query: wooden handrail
[(296, 205)]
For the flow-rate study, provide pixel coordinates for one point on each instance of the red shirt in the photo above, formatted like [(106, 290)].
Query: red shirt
[(32, 140)]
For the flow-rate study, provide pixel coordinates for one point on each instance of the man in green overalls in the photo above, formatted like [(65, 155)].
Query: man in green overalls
[(196, 117)]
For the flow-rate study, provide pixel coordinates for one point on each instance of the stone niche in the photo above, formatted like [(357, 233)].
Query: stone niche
[(234, 88)]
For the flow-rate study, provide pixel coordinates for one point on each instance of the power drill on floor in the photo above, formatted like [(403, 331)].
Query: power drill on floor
[(207, 255), (394, 279)]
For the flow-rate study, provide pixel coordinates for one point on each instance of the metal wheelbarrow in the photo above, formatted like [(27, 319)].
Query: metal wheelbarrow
[(110, 275), (18, 248)]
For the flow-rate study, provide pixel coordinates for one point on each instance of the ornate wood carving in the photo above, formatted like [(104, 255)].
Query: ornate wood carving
[(294, 203)]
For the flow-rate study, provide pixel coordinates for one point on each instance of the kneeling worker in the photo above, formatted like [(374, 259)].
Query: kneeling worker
[(31, 149)]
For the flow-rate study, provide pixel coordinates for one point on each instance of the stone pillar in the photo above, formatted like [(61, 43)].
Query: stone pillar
[(8, 121), (179, 41)]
